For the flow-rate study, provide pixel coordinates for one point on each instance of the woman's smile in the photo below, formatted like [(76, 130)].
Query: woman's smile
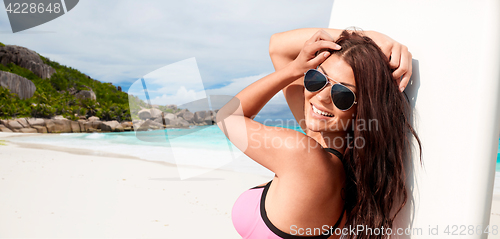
[(320, 114)]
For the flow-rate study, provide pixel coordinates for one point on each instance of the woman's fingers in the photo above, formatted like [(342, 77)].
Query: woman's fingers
[(407, 76), (320, 58), (310, 50), (319, 45), (395, 57), (404, 82), (307, 58), (322, 35), (404, 71)]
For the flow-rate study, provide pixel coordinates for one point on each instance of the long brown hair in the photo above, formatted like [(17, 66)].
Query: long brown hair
[(375, 173)]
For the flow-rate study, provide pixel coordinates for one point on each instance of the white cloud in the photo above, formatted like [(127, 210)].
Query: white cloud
[(182, 96)]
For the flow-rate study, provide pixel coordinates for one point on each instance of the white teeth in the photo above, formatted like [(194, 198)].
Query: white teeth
[(321, 112)]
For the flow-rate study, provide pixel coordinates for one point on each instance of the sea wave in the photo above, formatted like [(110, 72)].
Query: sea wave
[(95, 136)]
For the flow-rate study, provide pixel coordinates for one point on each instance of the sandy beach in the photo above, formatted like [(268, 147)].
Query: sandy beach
[(53, 192), (49, 194)]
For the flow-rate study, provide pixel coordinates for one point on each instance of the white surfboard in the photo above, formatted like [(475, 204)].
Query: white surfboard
[(455, 93)]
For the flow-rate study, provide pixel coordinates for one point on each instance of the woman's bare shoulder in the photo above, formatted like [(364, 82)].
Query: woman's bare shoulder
[(317, 167)]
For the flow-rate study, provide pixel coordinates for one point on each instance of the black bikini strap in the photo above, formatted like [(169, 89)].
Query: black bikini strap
[(334, 151), (341, 157), (340, 219)]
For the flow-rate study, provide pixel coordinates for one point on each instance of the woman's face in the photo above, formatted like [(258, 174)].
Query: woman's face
[(339, 120)]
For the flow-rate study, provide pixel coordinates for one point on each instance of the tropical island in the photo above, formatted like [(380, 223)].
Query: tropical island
[(38, 95)]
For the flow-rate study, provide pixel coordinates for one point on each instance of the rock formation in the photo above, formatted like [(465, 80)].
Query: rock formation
[(59, 124), (170, 119), (144, 114), (26, 58), (208, 117), (19, 85), (156, 113), (93, 118), (112, 126), (86, 94)]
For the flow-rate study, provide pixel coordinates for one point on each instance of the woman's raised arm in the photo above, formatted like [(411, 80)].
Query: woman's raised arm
[(284, 47)]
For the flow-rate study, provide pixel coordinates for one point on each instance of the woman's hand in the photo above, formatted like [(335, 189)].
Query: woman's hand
[(399, 56), (307, 58)]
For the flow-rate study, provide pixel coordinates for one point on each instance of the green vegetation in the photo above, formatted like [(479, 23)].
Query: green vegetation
[(1, 44), (52, 96)]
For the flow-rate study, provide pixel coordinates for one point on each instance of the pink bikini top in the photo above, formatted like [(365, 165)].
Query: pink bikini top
[(250, 218)]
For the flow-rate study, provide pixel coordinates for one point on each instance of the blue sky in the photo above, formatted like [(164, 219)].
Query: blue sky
[(120, 41)]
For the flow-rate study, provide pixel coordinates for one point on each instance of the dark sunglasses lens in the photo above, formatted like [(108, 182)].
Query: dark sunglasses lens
[(314, 80), (342, 97)]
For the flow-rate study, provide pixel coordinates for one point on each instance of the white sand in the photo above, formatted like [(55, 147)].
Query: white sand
[(76, 194), (46, 193)]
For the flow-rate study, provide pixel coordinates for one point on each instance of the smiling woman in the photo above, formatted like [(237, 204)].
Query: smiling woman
[(341, 173)]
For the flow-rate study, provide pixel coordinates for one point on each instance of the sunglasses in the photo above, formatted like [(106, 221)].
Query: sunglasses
[(343, 97)]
